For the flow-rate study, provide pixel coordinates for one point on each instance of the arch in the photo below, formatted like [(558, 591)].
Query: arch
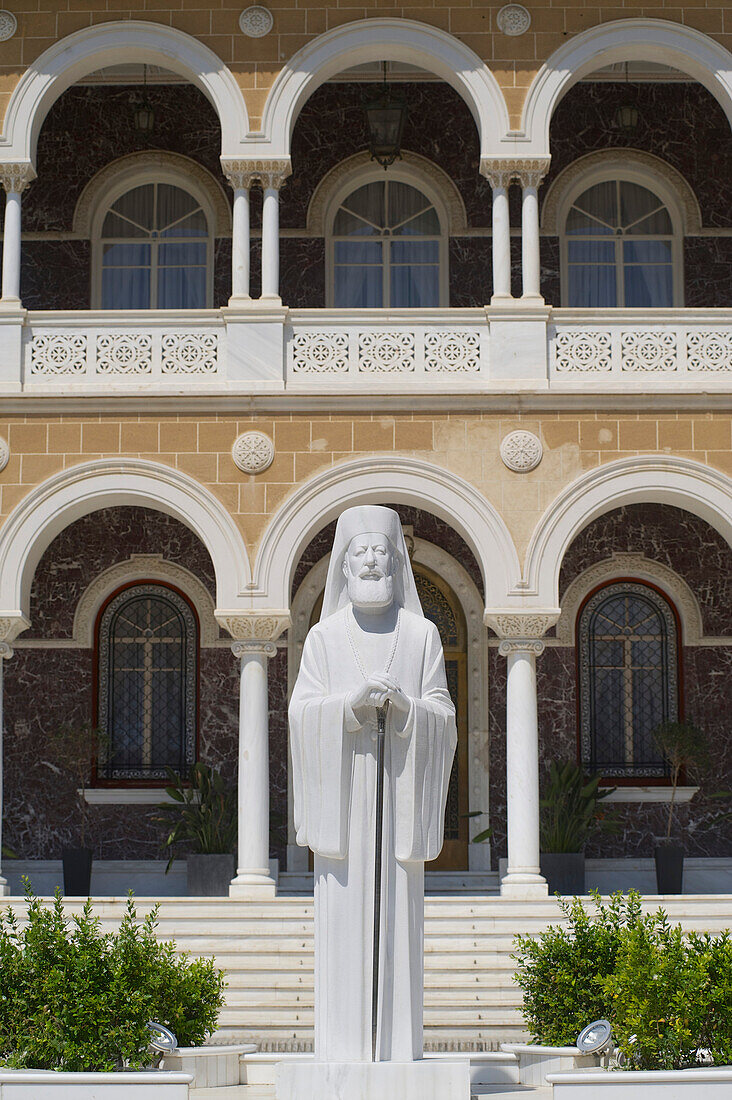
[(411, 167), (657, 40), (657, 479), (373, 480), (383, 40), (84, 51), (632, 163), (105, 483), (127, 171)]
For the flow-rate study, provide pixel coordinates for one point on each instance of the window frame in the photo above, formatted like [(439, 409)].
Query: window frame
[(615, 170), (397, 173), (674, 686), (128, 180), (193, 658)]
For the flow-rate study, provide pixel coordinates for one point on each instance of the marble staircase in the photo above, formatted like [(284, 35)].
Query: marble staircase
[(266, 949)]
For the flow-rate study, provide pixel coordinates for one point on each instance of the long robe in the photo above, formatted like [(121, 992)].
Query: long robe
[(334, 786)]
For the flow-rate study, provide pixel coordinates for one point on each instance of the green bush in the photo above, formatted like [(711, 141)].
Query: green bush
[(670, 996), (560, 971), (75, 998)]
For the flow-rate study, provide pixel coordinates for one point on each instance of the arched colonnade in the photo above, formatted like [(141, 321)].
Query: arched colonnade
[(262, 156), (253, 599)]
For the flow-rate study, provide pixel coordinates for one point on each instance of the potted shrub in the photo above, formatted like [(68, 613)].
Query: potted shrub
[(75, 747), (560, 973), (568, 815), (683, 747), (75, 1002), (204, 822)]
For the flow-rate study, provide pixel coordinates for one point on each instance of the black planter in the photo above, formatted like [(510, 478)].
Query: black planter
[(564, 872), (669, 868), (77, 863), (209, 875)]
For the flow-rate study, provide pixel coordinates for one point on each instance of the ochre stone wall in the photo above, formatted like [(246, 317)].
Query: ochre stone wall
[(465, 444), (255, 63)]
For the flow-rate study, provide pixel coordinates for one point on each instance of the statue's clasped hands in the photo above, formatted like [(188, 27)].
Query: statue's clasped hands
[(377, 691)]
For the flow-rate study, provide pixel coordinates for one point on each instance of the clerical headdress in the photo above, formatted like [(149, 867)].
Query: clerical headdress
[(359, 521)]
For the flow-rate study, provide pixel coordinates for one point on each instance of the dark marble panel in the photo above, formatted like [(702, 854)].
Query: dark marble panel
[(681, 123), (222, 271), (278, 766), (55, 274), (678, 539), (471, 271), (426, 526), (92, 544), (302, 272), (331, 127), (708, 271), (87, 127), (550, 279)]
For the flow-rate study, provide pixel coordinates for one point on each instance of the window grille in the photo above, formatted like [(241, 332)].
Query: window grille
[(148, 655), (628, 669)]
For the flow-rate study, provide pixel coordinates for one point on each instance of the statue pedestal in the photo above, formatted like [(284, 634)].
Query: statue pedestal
[(426, 1080)]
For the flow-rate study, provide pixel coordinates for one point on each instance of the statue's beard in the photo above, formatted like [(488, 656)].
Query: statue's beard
[(371, 592)]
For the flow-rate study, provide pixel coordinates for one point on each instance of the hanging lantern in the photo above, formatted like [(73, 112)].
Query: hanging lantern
[(626, 115), (386, 117), (144, 115)]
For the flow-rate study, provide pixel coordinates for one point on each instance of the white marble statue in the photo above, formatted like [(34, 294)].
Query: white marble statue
[(372, 647)]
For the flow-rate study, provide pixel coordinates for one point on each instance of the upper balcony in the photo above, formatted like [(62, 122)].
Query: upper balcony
[(380, 354), (144, 263)]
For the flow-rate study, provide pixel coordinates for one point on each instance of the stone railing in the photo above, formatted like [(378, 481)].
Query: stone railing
[(665, 348), (89, 349), (273, 350), (443, 346)]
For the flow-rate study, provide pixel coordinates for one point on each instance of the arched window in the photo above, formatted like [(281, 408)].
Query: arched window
[(387, 247), (621, 246), (154, 250), (147, 657), (628, 678)]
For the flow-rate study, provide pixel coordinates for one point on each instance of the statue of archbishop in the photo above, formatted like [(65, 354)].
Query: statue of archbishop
[(372, 649)]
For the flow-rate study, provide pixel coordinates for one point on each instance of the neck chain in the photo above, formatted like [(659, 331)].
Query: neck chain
[(354, 647)]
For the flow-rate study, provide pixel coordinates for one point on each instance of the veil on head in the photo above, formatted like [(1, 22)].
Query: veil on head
[(360, 521)]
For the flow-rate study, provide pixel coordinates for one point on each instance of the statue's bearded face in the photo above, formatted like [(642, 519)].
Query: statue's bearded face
[(368, 568)]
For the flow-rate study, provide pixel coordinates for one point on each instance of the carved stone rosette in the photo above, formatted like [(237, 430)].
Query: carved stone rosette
[(16, 177), (502, 171), (241, 174), (254, 631)]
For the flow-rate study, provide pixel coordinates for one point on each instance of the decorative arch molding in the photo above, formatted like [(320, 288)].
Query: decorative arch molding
[(645, 479), (383, 40), (103, 483), (143, 567), (413, 165), (372, 480), (103, 44), (633, 161), (640, 568), (657, 40), (166, 167), (452, 572)]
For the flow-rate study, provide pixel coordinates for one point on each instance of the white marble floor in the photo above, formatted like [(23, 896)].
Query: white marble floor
[(266, 1092)]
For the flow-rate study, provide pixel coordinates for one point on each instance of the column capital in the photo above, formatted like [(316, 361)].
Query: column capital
[(256, 627), (502, 171), (12, 623), (6, 651), (16, 176), (253, 645), (521, 630), (243, 173)]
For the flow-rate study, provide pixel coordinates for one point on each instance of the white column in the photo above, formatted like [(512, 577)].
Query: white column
[(501, 242), (530, 176), (14, 178), (240, 175), (272, 176), (240, 244), (6, 653), (253, 878)]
